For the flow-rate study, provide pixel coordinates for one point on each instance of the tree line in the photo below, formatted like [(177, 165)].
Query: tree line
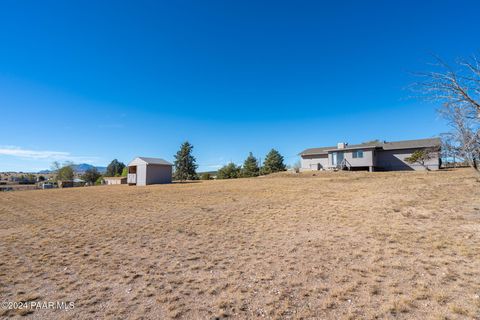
[(185, 167), (65, 172)]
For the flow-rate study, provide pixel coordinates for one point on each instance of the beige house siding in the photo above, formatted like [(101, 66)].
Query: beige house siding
[(366, 161), (158, 174), (395, 160), (115, 180), (377, 155), (141, 175), (143, 171), (314, 162)]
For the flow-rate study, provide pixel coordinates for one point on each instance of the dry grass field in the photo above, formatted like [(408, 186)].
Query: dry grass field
[(330, 246)]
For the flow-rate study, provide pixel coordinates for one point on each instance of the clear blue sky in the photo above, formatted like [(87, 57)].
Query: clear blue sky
[(90, 81)]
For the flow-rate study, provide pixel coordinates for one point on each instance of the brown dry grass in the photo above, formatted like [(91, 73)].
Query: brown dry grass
[(334, 245)]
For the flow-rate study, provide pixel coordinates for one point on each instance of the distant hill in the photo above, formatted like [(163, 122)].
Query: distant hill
[(213, 173), (79, 168), (85, 166)]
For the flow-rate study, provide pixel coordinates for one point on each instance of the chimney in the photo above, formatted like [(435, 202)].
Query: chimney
[(342, 145)]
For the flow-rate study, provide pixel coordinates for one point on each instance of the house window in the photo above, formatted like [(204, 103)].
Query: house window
[(358, 154)]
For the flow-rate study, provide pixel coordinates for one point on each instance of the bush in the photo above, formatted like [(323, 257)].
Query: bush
[(230, 171), (205, 176), (99, 181)]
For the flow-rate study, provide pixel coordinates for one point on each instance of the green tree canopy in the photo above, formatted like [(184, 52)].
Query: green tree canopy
[(65, 172), (273, 162), (205, 176), (185, 166), (422, 156), (230, 171), (99, 181), (125, 172), (250, 167), (115, 168), (91, 175)]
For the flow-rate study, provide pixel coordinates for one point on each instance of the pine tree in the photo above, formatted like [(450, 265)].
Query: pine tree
[(230, 171), (115, 168), (250, 167), (273, 162), (185, 165)]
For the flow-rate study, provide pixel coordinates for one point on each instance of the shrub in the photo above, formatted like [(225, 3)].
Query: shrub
[(205, 176), (230, 171)]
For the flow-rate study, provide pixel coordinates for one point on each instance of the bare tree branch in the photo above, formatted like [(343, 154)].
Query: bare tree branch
[(458, 91)]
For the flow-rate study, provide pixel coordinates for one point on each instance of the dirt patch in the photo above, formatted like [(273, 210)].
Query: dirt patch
[(334, 245)]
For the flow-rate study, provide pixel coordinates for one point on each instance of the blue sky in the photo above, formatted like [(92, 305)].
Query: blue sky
[(90, 81)]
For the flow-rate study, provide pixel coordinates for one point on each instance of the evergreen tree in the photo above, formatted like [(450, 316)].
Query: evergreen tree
[(250, 167), (230, 171), (91, 175), (115, 168), (273, 162), (185, 165)]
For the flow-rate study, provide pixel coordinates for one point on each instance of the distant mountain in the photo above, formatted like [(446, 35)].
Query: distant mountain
[(82, 167), (79, 168)]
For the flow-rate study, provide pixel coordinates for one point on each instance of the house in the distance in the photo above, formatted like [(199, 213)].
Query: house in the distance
[(143, 171), (114, 180), (373, 156)]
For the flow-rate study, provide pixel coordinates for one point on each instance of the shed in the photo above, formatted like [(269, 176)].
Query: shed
[(115, 180), (143, 171)]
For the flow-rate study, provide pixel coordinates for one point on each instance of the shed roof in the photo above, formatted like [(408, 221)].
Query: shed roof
[(146, 160), (394, 145), (114, 178)]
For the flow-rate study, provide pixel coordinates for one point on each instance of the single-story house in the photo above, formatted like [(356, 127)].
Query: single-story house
[(71, 183), (373, 156), (143, 171), (114, 180)]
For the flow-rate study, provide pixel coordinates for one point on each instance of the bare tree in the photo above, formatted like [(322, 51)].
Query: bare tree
[(297, 166), (449, 151), (458, 90)]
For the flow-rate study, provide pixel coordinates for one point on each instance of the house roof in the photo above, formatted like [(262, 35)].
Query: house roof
[(322, 150), (114, 178), (407, 144), (366, 145), (394, 145), (147, 160)]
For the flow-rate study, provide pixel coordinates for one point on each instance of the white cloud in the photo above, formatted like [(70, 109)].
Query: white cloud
[(26, 154)]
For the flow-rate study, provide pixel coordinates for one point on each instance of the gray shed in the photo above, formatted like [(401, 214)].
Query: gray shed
[(143, 171)]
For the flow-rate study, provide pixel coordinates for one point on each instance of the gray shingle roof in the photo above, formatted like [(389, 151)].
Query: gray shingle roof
[(155, 161), (316, 151), (405, 144)]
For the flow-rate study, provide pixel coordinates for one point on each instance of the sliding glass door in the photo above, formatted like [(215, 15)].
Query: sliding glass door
[(337, 158)]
